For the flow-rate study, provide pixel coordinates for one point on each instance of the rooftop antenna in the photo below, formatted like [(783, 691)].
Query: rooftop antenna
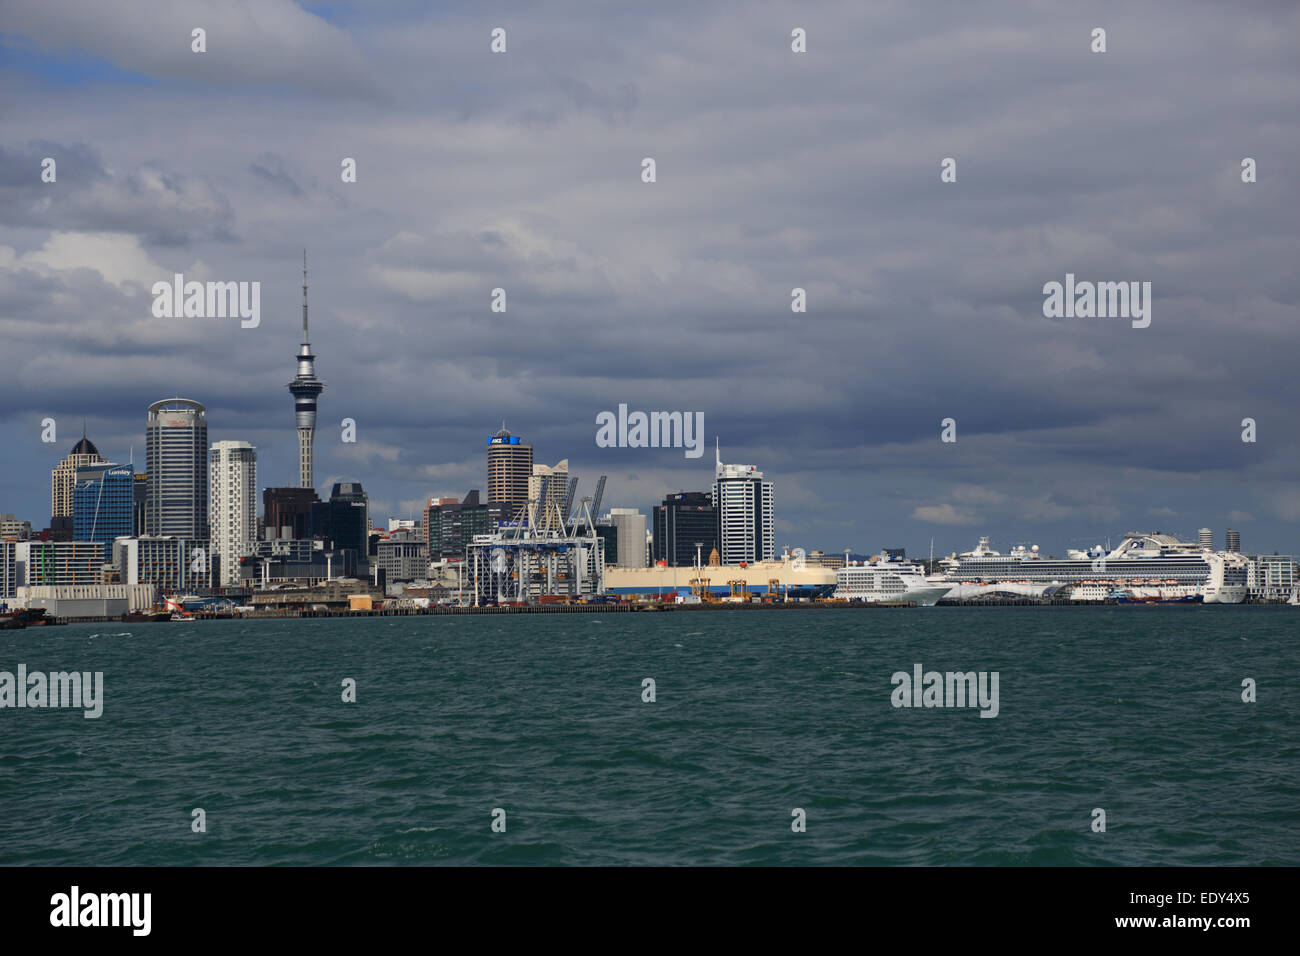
[(717, 451)]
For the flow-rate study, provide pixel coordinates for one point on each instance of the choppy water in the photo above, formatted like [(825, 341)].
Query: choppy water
[(1136, 710)]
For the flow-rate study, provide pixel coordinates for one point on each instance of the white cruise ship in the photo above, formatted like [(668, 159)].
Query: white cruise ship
[(1144, 568), (888, 580)]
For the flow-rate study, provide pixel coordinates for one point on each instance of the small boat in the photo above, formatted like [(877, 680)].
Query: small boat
[(182, 618)]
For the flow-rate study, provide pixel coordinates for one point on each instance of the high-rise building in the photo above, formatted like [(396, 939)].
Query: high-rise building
[(682, 522), (287, 512), (64, 476), (510, 466), (1234, 541), (1206, 537), (103, 503), (140, 497), (305, 388), (344, 520), (232, 509), (556, 479), (176, 446), (631, 537), (450, 525), (744, 504)]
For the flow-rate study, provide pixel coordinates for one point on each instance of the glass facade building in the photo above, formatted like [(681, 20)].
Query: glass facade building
[(103, 503)]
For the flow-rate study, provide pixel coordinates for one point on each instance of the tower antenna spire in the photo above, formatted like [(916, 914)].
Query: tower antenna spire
[(304, 296)]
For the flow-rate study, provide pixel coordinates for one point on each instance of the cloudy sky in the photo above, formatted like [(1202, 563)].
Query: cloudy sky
[(775, 170)]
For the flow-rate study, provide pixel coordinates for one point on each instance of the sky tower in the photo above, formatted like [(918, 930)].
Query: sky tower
[(305, 388)]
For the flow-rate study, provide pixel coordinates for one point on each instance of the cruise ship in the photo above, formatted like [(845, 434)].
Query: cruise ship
[(1144, 568), (891, 579)]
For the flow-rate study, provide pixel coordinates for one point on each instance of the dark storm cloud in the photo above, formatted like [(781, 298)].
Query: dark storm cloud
[(775, 170), (158, 204)]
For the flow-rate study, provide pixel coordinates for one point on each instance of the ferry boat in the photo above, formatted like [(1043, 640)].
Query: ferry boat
[(891, 580), (1144, 568)]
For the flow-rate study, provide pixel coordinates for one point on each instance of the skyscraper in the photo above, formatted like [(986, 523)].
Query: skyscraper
[(1234, 541), (64, 476), (556, 479), (744, 504), (1206, 539), (680, 523), (232, 508), (305, 388), (344, 520), (510, 466), (103, 503), (176, 448)]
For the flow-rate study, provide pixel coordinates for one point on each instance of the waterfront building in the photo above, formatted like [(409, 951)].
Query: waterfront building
[(172, 564), (103, 502), (57, 563), (305, 389), (232, 510), (510, 466), (176, 445), (743, 500), (63, 478), (684, 523), (1271, 577)]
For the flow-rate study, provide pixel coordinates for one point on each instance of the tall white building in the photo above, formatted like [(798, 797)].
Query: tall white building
[(232, 511), (556, 491), (744, 504)]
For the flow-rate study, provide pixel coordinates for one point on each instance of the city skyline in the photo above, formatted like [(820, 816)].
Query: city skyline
[(924, 298)]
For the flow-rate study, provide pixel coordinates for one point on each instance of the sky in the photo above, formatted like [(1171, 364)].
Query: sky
[(774, 170)]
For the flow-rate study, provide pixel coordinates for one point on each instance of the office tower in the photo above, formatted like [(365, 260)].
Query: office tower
[(344, 520), (631, 543), (1234, 541), (1206, 538), (744, 504), (450, 525), (103, 503), (510, 466), (176, 446), (680, 523), (305, 388), (64, 476), (287, 512), (556, 479), (232, 509)]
